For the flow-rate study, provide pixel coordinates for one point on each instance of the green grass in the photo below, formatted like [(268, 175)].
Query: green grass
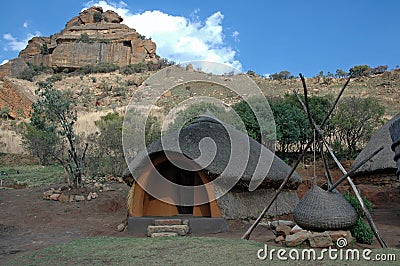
[(32, 175), (166, 251)]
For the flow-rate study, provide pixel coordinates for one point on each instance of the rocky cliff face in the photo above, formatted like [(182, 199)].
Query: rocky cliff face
[(91, 38), (16, 95)]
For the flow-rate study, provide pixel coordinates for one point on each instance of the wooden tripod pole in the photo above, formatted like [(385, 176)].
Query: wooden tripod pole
[(352, 185), (284, 182)]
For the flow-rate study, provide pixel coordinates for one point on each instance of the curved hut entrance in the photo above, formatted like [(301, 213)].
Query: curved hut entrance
[(144, 204)]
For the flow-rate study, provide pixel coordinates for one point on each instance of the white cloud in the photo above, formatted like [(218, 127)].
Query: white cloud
[(235, 35), (25, 25), (179, 38), (14, 44), (4, 62)]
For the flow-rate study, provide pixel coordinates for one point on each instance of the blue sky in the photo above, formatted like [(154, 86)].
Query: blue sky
[(264, 36)]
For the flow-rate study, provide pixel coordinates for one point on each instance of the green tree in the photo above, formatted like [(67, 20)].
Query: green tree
[(54, 115), (284, 74), (341, 73), (354, 122), (251, 73), (357, 71), (261, 131)]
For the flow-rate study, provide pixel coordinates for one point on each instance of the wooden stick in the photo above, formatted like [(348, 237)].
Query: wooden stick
[(254, 225), (351, 172), (326, 165), (284, 182), (352, 185), (357, 193)]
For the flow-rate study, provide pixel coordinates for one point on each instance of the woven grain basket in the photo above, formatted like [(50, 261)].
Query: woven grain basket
[(320, 210)]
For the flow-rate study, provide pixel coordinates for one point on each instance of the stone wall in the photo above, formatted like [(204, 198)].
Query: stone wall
[(246, 204)]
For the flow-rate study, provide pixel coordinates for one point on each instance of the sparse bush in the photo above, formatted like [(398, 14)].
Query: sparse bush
[(99, 68), (106, 155), (94, 79), (54, 78), (143, 67), (32, 71), (40, 142), (4, 112), (97, 17), (44, 50), (84, 38), (28, 74), (135, 68)]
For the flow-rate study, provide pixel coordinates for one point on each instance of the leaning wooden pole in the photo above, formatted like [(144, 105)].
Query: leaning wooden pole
[(350, 181), (284, 182), (357, 193)]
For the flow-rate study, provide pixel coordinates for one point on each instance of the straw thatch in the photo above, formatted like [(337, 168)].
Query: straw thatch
[(383, 162), (189, 139)]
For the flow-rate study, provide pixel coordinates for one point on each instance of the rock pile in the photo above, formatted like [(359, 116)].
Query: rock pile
[(59, 195), (289, 234)]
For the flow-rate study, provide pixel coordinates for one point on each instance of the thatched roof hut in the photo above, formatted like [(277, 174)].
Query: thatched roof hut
[(381, 169), (252, 167)]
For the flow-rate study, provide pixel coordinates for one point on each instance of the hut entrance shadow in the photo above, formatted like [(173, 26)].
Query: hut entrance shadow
[(145, 204)]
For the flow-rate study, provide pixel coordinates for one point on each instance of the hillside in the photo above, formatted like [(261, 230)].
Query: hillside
[(96, 41)]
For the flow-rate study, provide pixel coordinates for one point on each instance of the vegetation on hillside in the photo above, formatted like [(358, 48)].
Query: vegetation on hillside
[(50, 132), (351, 125)]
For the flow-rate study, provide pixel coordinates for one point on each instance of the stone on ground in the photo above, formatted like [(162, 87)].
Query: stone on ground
[(283, 230), (297, 239), (320, 240), (164, 234)]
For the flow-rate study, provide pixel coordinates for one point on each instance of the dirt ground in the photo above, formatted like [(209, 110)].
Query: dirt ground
[(27, 222)]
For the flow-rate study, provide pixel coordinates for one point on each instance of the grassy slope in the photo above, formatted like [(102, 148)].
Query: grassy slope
[(164, 251), (31, 175)]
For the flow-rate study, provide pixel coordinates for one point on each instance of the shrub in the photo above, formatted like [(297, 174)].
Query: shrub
[(40, 142), (361, 230), (54, 78), (106, 155), (44, 50), (99, 68), (32, 71), (84, 38), (28, 74), (97, 17)]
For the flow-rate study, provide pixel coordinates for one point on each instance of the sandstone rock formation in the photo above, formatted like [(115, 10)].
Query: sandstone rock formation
[(91, 38), (16, 97)]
